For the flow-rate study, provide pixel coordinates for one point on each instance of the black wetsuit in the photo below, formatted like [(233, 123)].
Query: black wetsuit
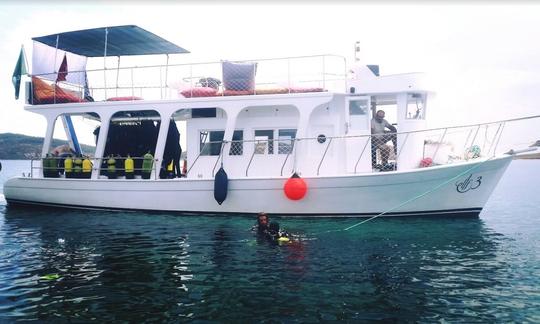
[(270, 232)]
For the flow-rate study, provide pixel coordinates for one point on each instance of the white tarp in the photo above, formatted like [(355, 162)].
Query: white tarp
[(46, 62)]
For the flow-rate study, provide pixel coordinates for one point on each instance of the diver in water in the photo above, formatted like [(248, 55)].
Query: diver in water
[(270, 231)]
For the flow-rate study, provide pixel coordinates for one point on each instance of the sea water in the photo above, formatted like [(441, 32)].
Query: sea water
[(72, 265)]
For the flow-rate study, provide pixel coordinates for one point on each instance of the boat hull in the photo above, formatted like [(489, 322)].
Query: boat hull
[(451, 190)]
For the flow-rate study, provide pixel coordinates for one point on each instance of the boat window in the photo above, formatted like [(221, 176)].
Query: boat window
[(358, 107), (415, 106), (264, 141), (286, 140), (210, 142), (237, 146)]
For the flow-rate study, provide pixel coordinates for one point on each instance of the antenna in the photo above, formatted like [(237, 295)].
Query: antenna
[(357, 51)]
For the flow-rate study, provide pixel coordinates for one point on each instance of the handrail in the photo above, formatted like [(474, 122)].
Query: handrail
[(197, 63), (439, 145), (401, 148), (287, 157), (79, 78), (311, 165), (361, 154), (324, 155), (500, 135), (252, 156), (198, 155), (219, 156)]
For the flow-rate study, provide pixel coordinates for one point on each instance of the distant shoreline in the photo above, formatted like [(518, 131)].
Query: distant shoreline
[(533, 156), (24, 147)]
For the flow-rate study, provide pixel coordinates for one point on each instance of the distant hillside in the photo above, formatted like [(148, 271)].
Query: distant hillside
[(22, 147)]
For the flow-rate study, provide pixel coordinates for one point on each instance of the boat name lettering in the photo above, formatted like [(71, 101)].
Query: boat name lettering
[(468, 184)]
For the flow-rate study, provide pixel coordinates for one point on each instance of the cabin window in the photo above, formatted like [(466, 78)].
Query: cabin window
[(415, 106), (286, 140), (237, 145), (358, 107), (264, 141), (210, 142)]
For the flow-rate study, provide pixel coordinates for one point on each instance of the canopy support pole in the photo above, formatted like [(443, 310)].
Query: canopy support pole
[(105, 62), (117, 74), (55, 71), (166, 74)]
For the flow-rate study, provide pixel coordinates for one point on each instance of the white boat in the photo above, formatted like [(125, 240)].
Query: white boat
[(261, 121)]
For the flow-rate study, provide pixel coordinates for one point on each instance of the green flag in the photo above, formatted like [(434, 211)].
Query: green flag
[(20, 69)]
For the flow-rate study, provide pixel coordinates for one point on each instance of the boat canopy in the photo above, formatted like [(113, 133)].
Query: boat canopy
[(111, 41), (63, 56)]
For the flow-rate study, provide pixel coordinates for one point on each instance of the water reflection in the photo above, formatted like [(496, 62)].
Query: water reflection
[(127, 267)]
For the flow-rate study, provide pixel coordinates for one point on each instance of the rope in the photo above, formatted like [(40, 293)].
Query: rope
[(412, 199)]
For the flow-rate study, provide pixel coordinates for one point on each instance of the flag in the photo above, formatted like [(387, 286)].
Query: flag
[(63, 71), (20, 70)]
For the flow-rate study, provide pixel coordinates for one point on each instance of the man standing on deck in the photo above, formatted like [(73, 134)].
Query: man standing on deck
[(380, 136)]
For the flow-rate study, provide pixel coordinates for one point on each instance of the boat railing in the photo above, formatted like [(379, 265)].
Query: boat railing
[(355, 154), (323, 155), (170, 81)]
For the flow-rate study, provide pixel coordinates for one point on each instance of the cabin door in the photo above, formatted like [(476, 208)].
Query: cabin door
[(357, 131)]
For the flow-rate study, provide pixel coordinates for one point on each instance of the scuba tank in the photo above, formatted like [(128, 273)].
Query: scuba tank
[(68, 167), (86, 168), (129, 168), (50, 168), (170, 170), (77, 167), (111, 168), (148, 163)]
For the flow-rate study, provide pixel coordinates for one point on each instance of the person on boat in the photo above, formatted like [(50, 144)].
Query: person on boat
[(380, 137), (63, 150), (172, 152), (60, 153)]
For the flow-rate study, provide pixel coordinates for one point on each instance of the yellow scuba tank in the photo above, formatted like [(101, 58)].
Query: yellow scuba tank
[(170, 170), (86, 168), (68, 167), (77, 167), (129, 167), (111, 168), (283, 239), (148, 163)]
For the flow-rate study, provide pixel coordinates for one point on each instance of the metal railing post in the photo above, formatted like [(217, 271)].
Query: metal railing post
[(324, 154), (494, 139), (439, 145), (219, 156), (401, 149), (287, 157), (500, 135), (252, 155), (362, 153), (324, 72)]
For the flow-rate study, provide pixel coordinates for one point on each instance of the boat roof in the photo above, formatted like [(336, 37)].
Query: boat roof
[(121, 41)]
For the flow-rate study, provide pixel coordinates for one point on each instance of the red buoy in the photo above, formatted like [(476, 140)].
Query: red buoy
[(295, 188)]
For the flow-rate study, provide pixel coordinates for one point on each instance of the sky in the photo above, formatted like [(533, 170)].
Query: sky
[(483, 59)]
